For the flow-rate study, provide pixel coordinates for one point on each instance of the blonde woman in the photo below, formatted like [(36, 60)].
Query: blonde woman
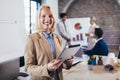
[(42, 49), (91, 40)]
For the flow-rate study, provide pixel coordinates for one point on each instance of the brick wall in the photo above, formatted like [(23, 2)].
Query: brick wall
[(107, 13)]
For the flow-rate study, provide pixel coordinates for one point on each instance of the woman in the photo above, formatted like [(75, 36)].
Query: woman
[(91, 40), (43, 47)]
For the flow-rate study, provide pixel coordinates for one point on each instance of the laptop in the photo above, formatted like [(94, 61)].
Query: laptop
[(77, 58)]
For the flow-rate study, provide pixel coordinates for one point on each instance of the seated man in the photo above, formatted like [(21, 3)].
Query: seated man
[(100, 47)]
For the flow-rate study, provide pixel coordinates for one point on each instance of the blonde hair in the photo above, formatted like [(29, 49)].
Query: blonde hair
[(93, 18), (38, 23)]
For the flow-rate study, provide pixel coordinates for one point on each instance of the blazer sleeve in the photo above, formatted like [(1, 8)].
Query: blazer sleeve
[(59, 40), (30, 61), (94, 50)]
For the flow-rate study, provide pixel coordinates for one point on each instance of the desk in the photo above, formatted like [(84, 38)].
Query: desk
[(81, 72)]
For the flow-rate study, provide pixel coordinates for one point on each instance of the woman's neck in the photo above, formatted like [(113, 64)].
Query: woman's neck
[(48, 32)]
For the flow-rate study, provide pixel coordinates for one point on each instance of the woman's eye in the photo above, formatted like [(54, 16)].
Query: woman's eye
[(50, 16), (43, 16)]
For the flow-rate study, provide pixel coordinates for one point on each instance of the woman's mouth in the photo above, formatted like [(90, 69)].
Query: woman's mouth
[(47, 24)]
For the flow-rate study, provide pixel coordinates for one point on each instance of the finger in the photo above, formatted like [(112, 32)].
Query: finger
[(53, 68), (59, 64), (69, 60), (52, 61), (57, 61), (72, 57)]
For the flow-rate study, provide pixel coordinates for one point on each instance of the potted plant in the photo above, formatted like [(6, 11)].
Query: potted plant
[(100, 61), (90, 64)]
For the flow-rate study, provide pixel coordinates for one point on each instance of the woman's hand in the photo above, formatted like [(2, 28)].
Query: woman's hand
[(69, 62), (54, 64)]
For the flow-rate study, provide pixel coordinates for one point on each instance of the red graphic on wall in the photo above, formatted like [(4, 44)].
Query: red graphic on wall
[(77, 26)]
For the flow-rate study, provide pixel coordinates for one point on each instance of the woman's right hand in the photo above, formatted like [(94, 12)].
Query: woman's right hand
[(54, 64)]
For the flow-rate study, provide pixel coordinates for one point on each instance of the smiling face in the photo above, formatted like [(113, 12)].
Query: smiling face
[(46, 19)]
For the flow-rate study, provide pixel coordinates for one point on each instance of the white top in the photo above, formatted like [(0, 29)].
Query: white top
[(92, 29), (60, 29), (91, 40)]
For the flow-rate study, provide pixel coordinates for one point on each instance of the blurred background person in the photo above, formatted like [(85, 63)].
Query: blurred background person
[(100, 47), (91, 40), (63, 29)]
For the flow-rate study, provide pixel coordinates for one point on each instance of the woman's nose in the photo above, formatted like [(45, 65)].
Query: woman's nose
[(47, 18)]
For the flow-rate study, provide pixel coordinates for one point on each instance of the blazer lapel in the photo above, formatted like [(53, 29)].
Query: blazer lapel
[(57, 45), (46, 46)]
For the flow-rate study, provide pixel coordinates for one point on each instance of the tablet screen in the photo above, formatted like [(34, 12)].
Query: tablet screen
[(68, 52)]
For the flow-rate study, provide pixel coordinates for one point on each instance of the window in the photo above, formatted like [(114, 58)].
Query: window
[(30, 8)]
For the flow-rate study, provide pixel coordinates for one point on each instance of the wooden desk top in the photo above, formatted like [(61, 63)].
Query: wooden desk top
[(81, 72)]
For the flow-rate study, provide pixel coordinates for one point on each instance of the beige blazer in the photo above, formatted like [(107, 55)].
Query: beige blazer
[(38, 55)]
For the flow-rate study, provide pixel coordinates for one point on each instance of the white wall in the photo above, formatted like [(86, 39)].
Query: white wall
[(12, 28)]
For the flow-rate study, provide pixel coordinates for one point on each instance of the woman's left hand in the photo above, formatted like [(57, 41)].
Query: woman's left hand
[(69, 62)]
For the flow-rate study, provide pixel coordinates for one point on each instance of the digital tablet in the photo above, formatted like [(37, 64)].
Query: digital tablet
[(68, 52), (76, 45)]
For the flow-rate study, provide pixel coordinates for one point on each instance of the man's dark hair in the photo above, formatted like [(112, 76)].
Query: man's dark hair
[(98, 32), (62, 15)]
